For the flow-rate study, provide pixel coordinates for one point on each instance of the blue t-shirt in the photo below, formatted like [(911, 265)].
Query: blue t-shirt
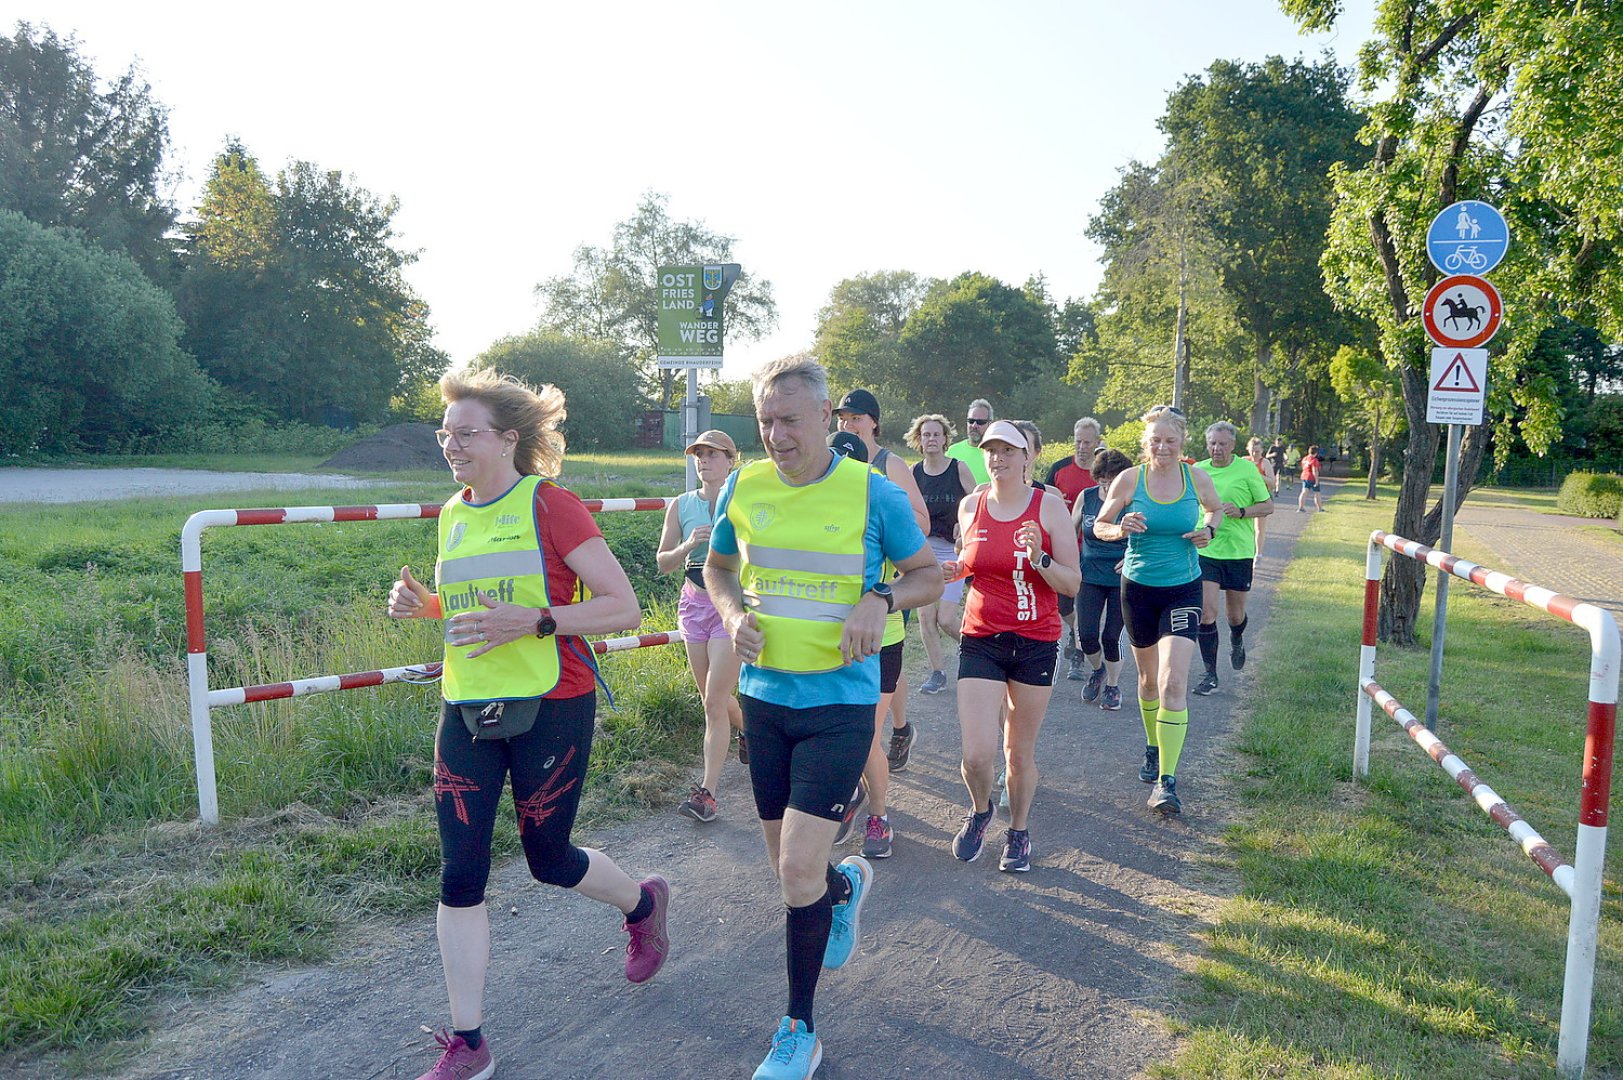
[(892, 533)]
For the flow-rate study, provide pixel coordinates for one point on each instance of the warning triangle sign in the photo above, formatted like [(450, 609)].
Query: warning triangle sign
[(1457, 377)]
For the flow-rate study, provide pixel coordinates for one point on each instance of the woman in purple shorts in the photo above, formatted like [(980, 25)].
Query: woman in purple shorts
[(683, 546)]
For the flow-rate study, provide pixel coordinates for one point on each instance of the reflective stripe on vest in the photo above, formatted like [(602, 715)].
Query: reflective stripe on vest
[(495, 548), (803, 557)]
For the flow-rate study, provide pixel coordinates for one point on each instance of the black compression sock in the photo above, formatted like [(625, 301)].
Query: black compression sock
[(1208, 645), (1237, 631), (808, 929), (472, 1038), (644, 908)]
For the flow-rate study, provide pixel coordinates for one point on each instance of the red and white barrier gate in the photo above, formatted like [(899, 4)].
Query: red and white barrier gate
[(203, 699), (1581, 880)]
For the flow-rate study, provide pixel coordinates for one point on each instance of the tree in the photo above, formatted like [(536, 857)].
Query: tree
[(859, 330), (1374, 398), (74, 154), (89, 353), (610, 295), (1259, 141), (294, 294), (1517, 104), (597, 379)]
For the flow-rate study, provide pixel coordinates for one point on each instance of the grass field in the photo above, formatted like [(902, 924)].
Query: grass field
[(1386, 927), (114, 895)]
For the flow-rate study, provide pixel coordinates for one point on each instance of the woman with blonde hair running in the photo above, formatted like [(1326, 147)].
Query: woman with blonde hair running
[(519, 687), (1166, 511), (683, 546)]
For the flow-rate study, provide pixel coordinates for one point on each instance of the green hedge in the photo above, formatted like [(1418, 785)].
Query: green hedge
[(1586, 494)]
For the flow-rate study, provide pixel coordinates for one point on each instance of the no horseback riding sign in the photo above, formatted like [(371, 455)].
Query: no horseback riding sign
[(1462, 311)]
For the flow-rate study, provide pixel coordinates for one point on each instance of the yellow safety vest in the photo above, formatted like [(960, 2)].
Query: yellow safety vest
[(495, 548), (895, 625), (803, 559)]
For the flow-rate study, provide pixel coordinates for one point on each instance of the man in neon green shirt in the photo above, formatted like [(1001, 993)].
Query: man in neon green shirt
[(968, 450), (1226, 562)]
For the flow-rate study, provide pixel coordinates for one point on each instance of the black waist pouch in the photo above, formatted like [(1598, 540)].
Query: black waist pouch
[(500, 719)]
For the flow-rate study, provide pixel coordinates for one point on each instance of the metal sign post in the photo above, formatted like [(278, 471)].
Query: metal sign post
[(1460, 313)]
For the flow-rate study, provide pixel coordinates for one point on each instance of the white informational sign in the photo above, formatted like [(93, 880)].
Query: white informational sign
[(1459, 386), (690, 362)]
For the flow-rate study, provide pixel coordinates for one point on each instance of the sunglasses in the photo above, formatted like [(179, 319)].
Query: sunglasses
[(977, 423), (1173, 409)]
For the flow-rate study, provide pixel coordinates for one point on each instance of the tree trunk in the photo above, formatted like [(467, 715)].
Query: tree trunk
[(1180, 338), (1260, 396), (1374, 456), (1404, 582)]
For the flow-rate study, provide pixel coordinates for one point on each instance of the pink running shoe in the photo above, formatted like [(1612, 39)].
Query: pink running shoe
[(645, 952), (460, 1063)]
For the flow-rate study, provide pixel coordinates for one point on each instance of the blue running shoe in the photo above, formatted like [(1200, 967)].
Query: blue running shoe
[(795, 1053), (846, 933), (972, 837)]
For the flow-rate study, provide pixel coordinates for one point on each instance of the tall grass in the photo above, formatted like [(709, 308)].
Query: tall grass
[(113, 892)]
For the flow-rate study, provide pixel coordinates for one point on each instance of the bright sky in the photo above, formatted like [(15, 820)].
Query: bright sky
[(830, 139)]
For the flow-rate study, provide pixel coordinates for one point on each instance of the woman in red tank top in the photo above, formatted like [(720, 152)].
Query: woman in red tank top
[(1011, 632)]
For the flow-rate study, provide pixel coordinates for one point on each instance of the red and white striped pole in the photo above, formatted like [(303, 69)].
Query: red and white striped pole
[(201, 699), (1590, 857), (1366, 655)]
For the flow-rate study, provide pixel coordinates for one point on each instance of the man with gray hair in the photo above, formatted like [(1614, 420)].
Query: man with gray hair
[(1226, 563), (968, 449), (1072, 476), (797, 550)]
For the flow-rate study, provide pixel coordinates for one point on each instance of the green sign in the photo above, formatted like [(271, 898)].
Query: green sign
[(690, 313)]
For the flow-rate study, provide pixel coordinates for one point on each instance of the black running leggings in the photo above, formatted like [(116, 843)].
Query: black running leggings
[(1091, 602), (548, 767)]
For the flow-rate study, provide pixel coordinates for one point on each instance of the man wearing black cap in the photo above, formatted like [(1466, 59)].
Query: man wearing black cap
[(858, 414)]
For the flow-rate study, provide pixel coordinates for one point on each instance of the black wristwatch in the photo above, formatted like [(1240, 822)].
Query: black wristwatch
[(546, 625), (882, 590), (1044, 560)]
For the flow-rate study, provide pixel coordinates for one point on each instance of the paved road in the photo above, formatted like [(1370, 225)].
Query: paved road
[(964, 972), (1557, 552)]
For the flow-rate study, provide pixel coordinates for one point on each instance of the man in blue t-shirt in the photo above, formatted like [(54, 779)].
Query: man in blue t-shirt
[(809, 732)]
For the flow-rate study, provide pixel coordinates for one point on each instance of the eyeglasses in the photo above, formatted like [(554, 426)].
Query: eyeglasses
[(461, 435), (977, 422), (1173, 409)]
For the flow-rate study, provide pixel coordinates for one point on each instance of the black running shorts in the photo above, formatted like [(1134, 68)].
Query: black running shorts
[(1153, 612), (1230, 575), (1008, 657), (809, 759)]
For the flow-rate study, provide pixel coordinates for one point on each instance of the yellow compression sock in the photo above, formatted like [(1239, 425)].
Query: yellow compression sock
[(1170, 728), (1149, 710)]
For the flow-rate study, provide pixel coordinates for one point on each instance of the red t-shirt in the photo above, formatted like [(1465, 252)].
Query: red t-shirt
[(564, 525), (1310, 467), (1008, 593), (1071, 479)]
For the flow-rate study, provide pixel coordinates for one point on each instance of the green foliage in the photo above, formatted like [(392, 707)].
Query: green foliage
[(598, 380), (732, 397), (89, 353), (610, 295), (294, 294), (1587, 494), (76, 154)]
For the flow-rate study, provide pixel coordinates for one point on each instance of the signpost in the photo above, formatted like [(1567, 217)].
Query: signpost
[(690, 333), (1461, 312)]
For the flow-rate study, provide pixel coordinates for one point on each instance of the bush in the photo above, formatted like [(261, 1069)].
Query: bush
[(1586, 494), (600, 383)]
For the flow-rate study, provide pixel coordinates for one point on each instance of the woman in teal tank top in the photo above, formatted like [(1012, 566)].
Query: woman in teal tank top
[(1166, 512)]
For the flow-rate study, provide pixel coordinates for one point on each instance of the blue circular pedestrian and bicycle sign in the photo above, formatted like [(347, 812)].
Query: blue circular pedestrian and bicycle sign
[(1468, 237)]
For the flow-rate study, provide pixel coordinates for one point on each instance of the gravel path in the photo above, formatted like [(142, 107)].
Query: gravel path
[(97, 485)]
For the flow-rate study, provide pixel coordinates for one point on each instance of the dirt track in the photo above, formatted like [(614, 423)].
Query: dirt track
[(1064, 972), (92, 485)]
